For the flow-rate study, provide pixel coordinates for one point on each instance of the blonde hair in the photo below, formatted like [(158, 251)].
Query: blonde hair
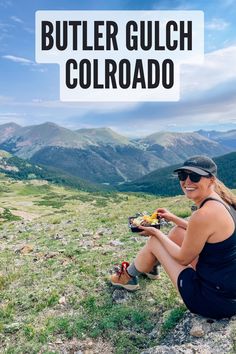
[(225, 193)]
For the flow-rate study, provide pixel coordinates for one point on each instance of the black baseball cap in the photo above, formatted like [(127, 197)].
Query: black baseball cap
[(201, 165)]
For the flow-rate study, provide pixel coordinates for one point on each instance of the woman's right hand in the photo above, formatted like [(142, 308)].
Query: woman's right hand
[(166, 214)]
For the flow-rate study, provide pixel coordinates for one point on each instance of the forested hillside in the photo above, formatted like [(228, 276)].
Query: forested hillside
[(164, 182)]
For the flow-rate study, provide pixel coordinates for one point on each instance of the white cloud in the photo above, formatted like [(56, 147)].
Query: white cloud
[(5, 26), (217, 24), (5, 29), (16, 117), (218, 68), (165, 5), (17, 59), (83, 108), (21, 22), (8, 115), (187, 119), (5, 99), (36, 68), (24, 61), (16, 19), (29, 30), (5, 3), (228, 3), (79, 109)]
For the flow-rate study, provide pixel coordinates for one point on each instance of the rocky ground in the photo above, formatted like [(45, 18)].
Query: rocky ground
[(57, 247), (197, 335), (192, 335)]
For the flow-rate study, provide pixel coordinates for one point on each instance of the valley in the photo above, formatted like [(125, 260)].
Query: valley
[(104, 157)]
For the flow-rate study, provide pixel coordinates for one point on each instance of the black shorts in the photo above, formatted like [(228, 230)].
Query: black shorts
[(202, 300)]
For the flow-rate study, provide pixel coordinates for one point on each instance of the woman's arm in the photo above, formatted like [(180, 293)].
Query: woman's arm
[(167, 215), (198, 231), (180, 222)]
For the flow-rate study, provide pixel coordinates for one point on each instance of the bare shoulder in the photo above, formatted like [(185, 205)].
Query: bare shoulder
[(201, 225), (211, 212), (202, 217), (213, 207)]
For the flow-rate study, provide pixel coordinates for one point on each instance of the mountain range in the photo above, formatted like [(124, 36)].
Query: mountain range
[(163, 182), (103, 156), (20, 169)]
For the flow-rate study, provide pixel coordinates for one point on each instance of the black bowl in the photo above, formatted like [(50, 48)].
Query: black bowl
[(135, 228)]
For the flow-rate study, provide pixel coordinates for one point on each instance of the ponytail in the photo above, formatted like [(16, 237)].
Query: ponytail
[(225, 193)]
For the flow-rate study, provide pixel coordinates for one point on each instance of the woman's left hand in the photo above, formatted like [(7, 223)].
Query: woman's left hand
[(148, 231)]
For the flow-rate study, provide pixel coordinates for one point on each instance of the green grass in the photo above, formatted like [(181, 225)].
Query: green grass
[(6, 215), (171, 320), (70, 259), (31, 189)]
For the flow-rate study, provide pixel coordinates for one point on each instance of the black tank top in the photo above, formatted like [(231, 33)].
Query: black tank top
[(216, 265)]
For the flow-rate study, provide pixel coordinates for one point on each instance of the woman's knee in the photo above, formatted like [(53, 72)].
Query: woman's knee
[(151, 241), (177, 235)]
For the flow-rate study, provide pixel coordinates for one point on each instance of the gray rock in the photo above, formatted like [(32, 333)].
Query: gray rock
[(104, 231), (87, 243), (87, 234), (197, 331), (182, 349), (135, 239), (76, 230), (120, 296), (57, 237), (116, 243), (196, 335), (12, 328)]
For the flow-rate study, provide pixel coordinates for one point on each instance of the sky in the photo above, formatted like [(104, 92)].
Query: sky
[(29, 92)]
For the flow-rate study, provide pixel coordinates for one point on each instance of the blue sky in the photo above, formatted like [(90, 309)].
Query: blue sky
[(29, 92)]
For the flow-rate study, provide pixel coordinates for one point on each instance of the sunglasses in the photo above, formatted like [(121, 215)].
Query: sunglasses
[(194, 177)]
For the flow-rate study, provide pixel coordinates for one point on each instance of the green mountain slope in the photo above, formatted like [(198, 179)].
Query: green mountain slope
[(28, 140), (164, 182), (101, 155), (19, 169), (107, 164), (227, 139), (113, 160), (176, 147), (103, 136), (8, 130)]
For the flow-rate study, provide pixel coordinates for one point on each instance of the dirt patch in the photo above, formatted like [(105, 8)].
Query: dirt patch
[(24, 203), (25, 215), (75, 346), (38, 182)]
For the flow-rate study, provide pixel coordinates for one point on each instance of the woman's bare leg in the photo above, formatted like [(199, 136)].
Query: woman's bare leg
[(153, 251), (177, 235)]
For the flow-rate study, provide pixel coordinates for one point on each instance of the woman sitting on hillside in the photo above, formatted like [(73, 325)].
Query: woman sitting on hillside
[(199, 255)]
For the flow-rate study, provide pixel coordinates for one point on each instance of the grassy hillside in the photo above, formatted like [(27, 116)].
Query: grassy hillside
[(20, 169), (57, 248), (28, 140), (103, 136), (7, 130), (107, 164), (176, 147), (164, 182)]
